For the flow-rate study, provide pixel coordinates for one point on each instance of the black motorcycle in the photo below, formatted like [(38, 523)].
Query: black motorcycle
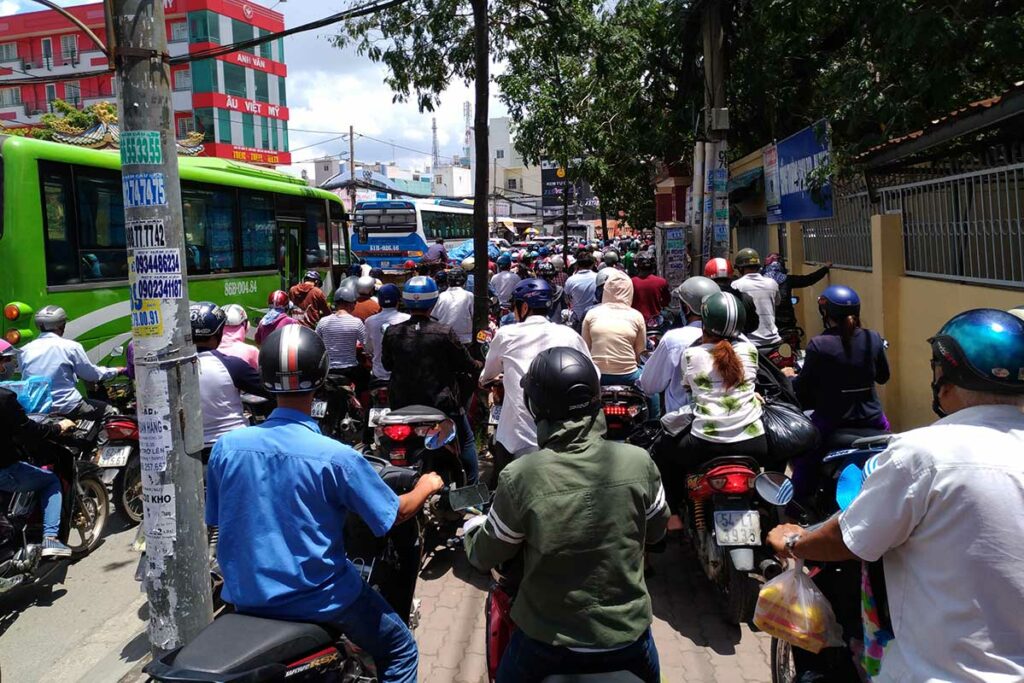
[(625, 411), (84, 510), (338, 410)]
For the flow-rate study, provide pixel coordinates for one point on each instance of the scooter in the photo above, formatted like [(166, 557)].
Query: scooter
[(338, 410), (84, 512), (625, 411), (239, 647), (116, 451)]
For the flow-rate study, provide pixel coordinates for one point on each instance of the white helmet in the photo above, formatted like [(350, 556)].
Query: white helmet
[(236, 315), (365, 285), (558, 262), (468, 264), (51, 318), (598, 256)]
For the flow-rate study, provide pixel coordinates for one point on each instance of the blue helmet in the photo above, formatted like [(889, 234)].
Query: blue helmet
[(543, 251), (389, 295), (981, 350), (504, 260), (534, 292), (207, 319), (420, 293), (838, 301)]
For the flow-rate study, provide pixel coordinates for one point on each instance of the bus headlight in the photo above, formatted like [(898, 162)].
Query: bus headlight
[(16, 309), (13, 337)]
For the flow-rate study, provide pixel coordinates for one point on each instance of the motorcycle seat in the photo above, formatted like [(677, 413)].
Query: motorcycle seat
[(412, 414), (236, 643), (842, 439)]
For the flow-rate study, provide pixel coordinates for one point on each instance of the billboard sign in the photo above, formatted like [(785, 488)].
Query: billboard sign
[(786, 167)]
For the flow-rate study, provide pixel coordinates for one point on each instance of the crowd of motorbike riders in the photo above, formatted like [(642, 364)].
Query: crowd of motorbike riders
[(941, 507)]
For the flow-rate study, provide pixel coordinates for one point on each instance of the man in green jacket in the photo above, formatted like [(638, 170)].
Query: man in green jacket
[(580, 510)]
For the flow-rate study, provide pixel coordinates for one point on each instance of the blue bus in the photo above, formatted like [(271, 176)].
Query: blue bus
[(387, 233)]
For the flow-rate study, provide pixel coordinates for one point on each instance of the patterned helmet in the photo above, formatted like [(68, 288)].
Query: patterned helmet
[(723, 315)]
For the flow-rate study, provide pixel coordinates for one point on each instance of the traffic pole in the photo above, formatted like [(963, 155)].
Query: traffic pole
[(177, 574), (716, 125), (481, 61), (352, 170)]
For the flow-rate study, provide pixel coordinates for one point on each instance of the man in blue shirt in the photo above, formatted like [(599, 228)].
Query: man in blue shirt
[(280, 492)]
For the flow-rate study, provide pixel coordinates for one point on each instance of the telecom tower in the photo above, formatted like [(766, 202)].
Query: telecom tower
[(436, 161), (467, 111)]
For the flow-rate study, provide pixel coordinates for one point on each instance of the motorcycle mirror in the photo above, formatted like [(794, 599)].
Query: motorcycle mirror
[(774, 487), (117, 351), (440, 435)]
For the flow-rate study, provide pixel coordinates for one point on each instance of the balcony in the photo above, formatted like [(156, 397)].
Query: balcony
[(56, 65)]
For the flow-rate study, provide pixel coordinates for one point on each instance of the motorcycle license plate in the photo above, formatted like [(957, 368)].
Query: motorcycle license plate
[(319, 409), (495, 414), (114, 456), (376, 414), (737, 527)]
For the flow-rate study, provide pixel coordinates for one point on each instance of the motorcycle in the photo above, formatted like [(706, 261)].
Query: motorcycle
[(116, 450), (625, 411), (838, 581), (239, 647), (654, 335), (728, 528), (338, 410), (84, 511)]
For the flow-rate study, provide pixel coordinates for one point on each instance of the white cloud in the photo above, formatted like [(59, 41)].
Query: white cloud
[(9, 7)]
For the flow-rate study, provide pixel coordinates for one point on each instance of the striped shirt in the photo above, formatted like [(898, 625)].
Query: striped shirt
[(341, 332)]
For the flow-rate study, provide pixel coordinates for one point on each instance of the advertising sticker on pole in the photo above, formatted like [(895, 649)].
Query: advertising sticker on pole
[(788, 169)]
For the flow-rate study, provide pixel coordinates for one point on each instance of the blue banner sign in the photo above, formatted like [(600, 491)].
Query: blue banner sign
[(787, 166)]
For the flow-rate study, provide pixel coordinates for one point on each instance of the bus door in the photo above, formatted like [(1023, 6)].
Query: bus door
[(289, 237)]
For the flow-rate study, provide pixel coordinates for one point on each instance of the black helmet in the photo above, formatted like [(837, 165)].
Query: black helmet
[(293, 359), (546, 270), (561, 383), (207, 319), (456, 277), (644, 262)]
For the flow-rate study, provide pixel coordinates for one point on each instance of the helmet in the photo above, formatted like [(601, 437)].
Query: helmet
[(420, 293), (533, 255), (611, 257), (468, 264), (543, 251), (456, 277), (534, 292), (561, 383), (748, 258), (597, 255), (644, 262), (365, 285), (717, 268), (773, 257), (347, 291), (441, 278), (293, 358), (410, 265), (207, 319), (355, 270), (545, 270), (981, 350), (505, 261), (558, 262), (314, 277), (376, 273), (235, 315), (51, 318), (278, 299), (723, 315), (1017, 311), (389, 295), (837, 302), (693, 292), (9, 353)]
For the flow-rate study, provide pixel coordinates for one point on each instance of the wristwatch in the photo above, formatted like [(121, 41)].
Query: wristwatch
[(791, 543)]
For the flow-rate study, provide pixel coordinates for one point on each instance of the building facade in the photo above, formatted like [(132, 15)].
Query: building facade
[(518, 185), (238, 101)]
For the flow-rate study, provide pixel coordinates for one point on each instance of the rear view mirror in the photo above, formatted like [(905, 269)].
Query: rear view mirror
[(467, 497), (439, 435), (774, 487)]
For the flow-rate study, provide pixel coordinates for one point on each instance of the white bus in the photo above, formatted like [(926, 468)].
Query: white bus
[(389, 232)]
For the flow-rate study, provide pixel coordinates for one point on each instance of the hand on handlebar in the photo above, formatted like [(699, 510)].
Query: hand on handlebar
[(432, 482), (66, 426)]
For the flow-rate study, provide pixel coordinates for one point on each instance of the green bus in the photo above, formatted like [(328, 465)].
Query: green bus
[(248, 231)]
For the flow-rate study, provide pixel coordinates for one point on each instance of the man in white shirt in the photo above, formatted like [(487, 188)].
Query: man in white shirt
[(455, 306), (512, 350), (376, 325), (942, 508), (765, 293), (580, 289), (504, 283)]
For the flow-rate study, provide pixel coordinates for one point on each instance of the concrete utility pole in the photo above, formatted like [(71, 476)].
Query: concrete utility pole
[(716, 125), (481, 68), (170, 424), (351, 170), (494, 193)]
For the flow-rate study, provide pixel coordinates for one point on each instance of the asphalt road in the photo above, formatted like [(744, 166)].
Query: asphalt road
[(82, 628)]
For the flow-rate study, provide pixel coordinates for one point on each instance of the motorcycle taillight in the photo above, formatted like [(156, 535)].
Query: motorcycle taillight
[(622, 411), (121, 430), (732, 483), (397, 432)]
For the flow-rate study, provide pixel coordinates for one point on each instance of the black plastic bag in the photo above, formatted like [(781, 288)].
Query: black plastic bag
[(790, 433)]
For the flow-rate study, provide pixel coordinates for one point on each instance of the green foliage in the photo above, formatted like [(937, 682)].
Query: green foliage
[(67, 119)]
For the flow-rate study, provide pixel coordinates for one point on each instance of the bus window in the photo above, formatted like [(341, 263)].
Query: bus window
[(257, 231), (314, 238), (101, 242), (208, 215), (439, 224), (339, 236), (61, 251)]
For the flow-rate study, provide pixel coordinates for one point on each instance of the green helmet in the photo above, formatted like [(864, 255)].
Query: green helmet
[(746, 258), (723, 315)]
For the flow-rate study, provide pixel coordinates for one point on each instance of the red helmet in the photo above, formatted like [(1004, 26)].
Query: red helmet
[(718, 268), (410, 265), (278, 299)]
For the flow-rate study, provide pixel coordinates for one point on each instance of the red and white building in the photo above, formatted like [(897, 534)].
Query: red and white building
[(238, 101)]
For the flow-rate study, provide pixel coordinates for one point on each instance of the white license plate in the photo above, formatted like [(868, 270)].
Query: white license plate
[(376, 414), (737, 527), (114, 456), (495, 414), (319, 409)]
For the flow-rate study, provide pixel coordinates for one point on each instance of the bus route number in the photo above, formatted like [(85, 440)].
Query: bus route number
[(237, 287)]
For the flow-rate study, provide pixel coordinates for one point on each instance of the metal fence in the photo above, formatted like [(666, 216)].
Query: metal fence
[(754, 235), (844, 239), (965, 227)]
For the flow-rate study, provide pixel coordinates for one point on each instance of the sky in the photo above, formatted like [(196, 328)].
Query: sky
[(331, 89)]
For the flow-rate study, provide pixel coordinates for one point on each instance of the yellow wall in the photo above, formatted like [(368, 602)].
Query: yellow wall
[(905, 310)]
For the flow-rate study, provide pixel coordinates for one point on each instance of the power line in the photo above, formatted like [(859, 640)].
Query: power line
[(388, 142)]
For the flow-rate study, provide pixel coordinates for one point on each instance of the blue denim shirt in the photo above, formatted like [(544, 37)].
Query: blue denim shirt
[(63, 362), (280, 492)]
